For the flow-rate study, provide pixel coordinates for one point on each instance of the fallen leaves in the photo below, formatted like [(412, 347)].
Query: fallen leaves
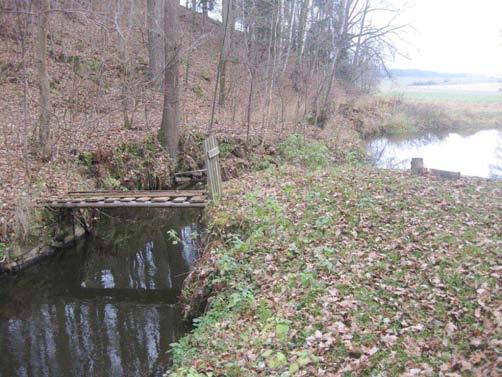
[(376, 272)]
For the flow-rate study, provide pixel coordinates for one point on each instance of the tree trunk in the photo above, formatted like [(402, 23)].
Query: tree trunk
[(302, 22), (228, 27), (204, 11), (355, 60), (337, 45), (156, 47), (43, 79), (168, 133), (291, 19), (250, 104)]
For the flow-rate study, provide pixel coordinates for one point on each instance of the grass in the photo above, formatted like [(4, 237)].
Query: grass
[(346, 271), (395, 116), (446, 96)]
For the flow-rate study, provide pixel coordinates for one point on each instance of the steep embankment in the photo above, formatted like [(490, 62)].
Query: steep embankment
[(346, 271), (89, 94)]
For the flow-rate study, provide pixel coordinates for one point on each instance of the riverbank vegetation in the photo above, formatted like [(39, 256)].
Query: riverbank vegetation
[(396, 116), (346, 270)]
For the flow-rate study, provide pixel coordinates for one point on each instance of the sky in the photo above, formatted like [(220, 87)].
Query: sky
[(451, 36)]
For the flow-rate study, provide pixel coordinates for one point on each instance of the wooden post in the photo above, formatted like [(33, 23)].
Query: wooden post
[(417, 166), (445, 174), (213, 167)]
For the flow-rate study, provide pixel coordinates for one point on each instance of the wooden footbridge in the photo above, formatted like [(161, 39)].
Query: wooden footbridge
[(141, 199), (149, 199)]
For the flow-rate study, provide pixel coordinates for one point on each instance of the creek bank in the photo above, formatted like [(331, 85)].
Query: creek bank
[(131, 166), (345, 270), (61, 230), (34, 255), (379, 116)]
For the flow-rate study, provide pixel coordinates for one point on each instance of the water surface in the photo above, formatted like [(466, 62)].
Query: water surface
[(107, 307), (478, 154)]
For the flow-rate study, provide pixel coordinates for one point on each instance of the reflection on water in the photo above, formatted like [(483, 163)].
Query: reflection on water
[(479, 154), (106, 307)]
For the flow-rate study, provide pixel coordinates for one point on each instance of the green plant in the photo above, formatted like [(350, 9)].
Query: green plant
[(310, 153), (199, 92), (173, 236), (2, 249), (356, 157), (226, 147), (87, 158), (111, 182)]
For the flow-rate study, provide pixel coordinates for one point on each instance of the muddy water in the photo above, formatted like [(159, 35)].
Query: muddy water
[(477, 154), (107, 307)]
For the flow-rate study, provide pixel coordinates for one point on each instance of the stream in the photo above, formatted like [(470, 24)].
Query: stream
[(477, 154), (108, 306)]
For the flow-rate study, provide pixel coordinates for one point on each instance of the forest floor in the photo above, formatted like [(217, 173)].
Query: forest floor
[(88, 135), (346, 270)]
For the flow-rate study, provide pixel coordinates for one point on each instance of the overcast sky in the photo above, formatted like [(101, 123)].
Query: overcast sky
[(452, 35)]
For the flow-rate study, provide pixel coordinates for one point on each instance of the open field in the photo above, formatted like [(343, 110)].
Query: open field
[(462, 90), (445, 95)]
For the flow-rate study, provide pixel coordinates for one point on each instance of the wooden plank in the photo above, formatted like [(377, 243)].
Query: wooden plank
[(132, 204), (197, 199), (95, 199), (144, 199), (161, 199), (124, 194), (180, 199), (127, 200), (445, 174), (191, 172)]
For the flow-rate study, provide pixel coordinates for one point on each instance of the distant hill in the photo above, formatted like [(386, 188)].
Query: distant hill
[(424, 74)]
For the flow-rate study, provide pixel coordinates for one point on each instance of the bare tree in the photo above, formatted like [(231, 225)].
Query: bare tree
[(228, 21), (43, 80), (168, 133), (124, 26), (156, 48), (302, 25)]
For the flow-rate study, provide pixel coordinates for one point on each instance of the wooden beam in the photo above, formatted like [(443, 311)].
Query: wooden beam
[(135, 194), (120, 204)]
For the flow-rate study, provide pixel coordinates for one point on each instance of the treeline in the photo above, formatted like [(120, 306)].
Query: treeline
[(303, 48)]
